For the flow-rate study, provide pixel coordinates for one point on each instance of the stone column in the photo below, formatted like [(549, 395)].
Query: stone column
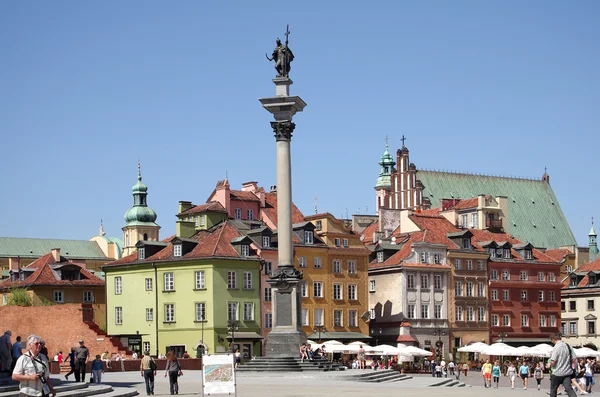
[(286, 335)]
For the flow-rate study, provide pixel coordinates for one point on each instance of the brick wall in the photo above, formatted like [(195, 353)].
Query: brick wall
[(61, 326)]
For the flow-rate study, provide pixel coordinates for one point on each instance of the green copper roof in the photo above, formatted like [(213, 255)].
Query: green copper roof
[(140, 213), (592, 232), (387, 164), (36, 247), (533, 210)]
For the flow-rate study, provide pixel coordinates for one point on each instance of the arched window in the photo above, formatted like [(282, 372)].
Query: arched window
[(145, 236)]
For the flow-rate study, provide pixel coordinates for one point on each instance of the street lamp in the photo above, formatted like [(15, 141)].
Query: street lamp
[(439, 344), (377, 336), (319, 329), (232, 326), (501, 336)]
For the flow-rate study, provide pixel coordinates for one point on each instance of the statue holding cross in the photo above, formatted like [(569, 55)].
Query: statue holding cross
[(282, 55)]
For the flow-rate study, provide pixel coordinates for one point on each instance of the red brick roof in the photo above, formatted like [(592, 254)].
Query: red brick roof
[(270, 210), (242, 195), (431, 211), (485, 235), (367, 233), (467, 203), (437, 228), (45, 275), (590, 266), (214, 206), (558, 254)]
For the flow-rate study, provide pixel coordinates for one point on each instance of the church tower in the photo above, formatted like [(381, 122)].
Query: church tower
[(593, 243), (384, 182), (407, 190), (139, 219)]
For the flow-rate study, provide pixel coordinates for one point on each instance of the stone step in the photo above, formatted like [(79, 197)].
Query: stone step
[(13, 390), (448, 383)]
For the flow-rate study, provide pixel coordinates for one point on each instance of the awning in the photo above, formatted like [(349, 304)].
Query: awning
[(245, 335), (352, 336)]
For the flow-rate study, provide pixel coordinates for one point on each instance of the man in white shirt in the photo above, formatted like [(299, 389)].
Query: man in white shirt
[(32, 371), (562, 360)]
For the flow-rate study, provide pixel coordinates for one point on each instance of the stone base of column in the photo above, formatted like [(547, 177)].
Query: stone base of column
[(284, 342)]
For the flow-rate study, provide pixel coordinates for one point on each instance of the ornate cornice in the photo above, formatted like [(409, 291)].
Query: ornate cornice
[(283, 130)]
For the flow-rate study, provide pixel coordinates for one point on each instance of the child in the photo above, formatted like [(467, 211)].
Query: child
[(97, 369), (538, 374)]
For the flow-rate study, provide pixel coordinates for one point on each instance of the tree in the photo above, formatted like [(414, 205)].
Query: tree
[(19, 297)]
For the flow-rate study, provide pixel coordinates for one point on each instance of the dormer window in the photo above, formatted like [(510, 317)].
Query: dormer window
[(337, 242), (573, 282), (506, 253), (319, 225), (22, 276), (345, 242), (592, 278), (202, 221), (380, 256), (424, 257), (177, 250), (237, 214), (250, 215), (499, 252), (308, 237), (245, 250), (492, 252), (141, 253), (266, 241), (528, 254), (466, 243)]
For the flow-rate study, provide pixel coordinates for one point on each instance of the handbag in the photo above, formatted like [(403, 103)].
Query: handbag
[(152, 365)]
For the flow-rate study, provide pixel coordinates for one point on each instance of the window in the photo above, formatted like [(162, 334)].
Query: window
[(523, 295), (200, 311), (481, 265), (424, 311), (553, 320), (337, 242), (268, 268), (232, 311), (470, 313), (337, 291), (466, 244), (250, 214), (169, 313), (551, 277), (302, 261), (200, 284), (569, 269), (457, 264), (352, 318), (351, 267), (523, 275), (411, 281), (572, 306), (231, 280), (424, 257), (590, 304), (146, 346), (118, 285), (506, 253), (337, 318), (528, 254), (237, 213), (437, 259), (318, 289), (59, 297), (458, 288), (437, 311), (202, 221), (269, 320), (141, 253), (563, 328), (541, 276), (337, 266), (591, 328), (573, 328), (317, 262), (424, 281), (464, 220), (248, 311), (550, 296), (499, 252), (304, 316), (88, 296), (524, 320), (266, 241), (494, 294), (177, 250), (469, 288), (352, 292), (543, 320), (475, 220), (505, 295), (505, 275), (148, 283), (248, 280), (411, 311), (319, 317), (149, 314), (563, 306), (118, 315), (540, 296), (169, 282), (480, 289), (481, 314), (4, 299), (506, 320), (380, 256), (345, 243), (494, 275), (372, 285), (268, 294), (304, 290), (437, 281), (372, 314), (458, 314), (495, 321), (319, 225), (469, 264), (308, 237), (245, 250)]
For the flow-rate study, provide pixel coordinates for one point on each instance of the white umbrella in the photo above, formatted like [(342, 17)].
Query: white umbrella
[(500, 349), (586, 352), (380, 348), (415, 351), (541, 350), (476, 347)]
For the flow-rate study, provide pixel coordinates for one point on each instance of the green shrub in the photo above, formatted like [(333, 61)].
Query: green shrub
[(19, 297)]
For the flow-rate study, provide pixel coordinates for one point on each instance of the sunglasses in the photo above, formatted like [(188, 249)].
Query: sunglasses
[(36, 343)]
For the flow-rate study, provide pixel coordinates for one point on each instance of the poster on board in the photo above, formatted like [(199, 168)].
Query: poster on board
[(218, 374)]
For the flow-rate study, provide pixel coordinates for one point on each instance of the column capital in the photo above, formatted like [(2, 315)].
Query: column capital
[(283, 130)]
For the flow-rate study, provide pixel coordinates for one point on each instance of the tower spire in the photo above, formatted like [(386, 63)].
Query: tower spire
[(593, 243)]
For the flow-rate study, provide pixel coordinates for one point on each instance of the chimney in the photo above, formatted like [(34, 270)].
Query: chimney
[(249, 186), (14, 264), (56, 254)]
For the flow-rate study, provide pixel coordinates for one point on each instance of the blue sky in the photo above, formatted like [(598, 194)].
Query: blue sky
[(494, 87)]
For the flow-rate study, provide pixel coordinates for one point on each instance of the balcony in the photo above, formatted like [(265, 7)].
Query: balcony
[(493, 224)]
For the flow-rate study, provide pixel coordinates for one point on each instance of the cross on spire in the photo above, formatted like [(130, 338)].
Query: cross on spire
[(403, 139), (386, 141), (316, 209)]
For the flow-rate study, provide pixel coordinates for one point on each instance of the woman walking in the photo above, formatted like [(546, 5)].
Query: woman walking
[(71, 358), (496, 373), (174, 371), (524, 372), (538, 374), (511, 372)]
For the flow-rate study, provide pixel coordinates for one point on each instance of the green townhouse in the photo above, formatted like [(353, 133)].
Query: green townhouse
[(199, 288)]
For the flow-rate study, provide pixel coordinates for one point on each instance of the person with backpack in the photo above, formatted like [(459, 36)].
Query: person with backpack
[(562, 362), (148, 371)]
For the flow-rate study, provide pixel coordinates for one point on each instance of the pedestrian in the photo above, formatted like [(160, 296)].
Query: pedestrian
[(238, 358), (465, 368), (17, 351), (496, 373), (44, 349), (31, 370), (82, 355), (361, 357), (451, 367), (486, 372), (72, 360), (524, 373), (173, 370), (458, 370), (148, 371), (6, 352), (511, 372), (562, 360), (589, 374), (538, 374), (97, 369)]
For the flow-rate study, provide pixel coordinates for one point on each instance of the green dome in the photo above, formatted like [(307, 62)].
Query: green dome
[(140, 214), (387, 164), (386, 158)]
